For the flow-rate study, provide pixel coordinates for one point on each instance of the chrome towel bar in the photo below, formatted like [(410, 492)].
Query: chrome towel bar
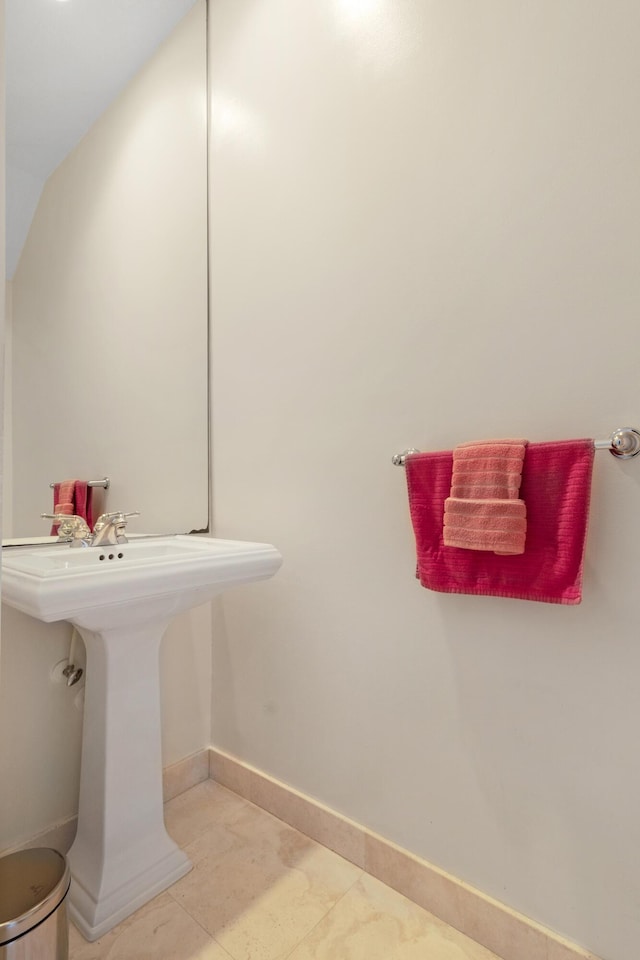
[(623, 443), (105, 482)]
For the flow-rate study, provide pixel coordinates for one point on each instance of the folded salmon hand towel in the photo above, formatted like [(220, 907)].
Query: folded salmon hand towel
[(556, 486), (483, 511)]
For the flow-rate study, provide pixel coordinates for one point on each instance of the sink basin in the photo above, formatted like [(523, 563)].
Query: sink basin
[(142, 579), (121, 599)]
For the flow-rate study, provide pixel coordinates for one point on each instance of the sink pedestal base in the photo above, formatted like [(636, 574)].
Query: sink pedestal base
[(122, 855), (95, 918)]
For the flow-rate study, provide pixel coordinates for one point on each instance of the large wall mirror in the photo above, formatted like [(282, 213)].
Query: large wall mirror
[(107, 326)]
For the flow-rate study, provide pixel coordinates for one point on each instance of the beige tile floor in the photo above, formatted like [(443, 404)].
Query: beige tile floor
[(260, 890)]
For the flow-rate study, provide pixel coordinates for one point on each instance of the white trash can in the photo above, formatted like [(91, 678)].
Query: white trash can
[(33, 913)]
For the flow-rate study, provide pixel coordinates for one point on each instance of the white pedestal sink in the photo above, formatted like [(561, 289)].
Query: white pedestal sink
[(121, 599)]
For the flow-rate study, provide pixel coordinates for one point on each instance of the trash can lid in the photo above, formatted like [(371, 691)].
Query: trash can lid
[(32, 884)]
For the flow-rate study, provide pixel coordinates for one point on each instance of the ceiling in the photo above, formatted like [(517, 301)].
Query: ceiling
[(65, 62)]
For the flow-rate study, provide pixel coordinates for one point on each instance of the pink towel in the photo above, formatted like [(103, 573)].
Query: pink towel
[(484, 511), (556, 486), (83, 499), (72, 497)]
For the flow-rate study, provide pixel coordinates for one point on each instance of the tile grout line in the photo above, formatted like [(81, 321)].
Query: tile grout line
[(325, 915), (251, 805), (196, 921)]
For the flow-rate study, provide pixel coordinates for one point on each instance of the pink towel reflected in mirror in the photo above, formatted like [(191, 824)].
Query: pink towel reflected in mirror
[(73, 497)]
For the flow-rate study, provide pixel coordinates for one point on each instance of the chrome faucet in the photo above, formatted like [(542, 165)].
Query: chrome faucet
[(108, 530), (70, 528)]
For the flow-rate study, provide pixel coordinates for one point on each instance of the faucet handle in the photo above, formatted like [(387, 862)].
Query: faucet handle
[(116, 516)]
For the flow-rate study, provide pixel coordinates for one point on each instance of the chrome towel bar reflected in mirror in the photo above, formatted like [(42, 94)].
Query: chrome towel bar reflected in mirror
[(105, 482)]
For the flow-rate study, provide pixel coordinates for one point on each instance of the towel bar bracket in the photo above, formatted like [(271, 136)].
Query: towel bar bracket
[(623, 443), (398, 458)]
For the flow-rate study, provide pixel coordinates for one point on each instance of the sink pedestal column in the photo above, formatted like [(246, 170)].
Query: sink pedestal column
[(122, 855)]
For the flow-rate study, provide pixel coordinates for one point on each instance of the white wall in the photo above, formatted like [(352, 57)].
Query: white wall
[(7, 420), (425, 232), (2, 234), (110, 306), (40, 722)]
